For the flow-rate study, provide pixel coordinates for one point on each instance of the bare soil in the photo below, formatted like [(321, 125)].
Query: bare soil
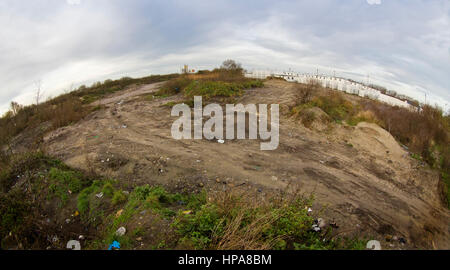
[(362, 179)]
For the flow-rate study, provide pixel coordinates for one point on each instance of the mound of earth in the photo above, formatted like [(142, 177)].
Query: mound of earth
[(364, 182)]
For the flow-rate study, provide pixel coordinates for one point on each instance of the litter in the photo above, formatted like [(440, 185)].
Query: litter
[(121, 231), (114, 246), (221, 141), (373, 245), (74, 245), (188, 212), (316, 228), (119, 213), (124, 126), (100, 195), (321, 222)]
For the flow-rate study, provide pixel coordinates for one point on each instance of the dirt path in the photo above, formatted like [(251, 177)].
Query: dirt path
[(367, 182), (128, 94)]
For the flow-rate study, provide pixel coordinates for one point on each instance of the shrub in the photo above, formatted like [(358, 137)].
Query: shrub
[(174, 86), (108, 190), (118, 198)]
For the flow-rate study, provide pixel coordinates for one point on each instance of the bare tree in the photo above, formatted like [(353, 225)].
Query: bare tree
[(15, 108), (231, 65)]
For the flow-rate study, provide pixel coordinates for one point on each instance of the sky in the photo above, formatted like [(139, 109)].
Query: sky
[(403, 45)]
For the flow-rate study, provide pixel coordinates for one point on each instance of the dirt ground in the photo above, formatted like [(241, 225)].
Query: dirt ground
[(362, 179)]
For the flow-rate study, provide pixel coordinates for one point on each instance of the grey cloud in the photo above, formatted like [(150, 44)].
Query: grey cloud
[(403, 45)]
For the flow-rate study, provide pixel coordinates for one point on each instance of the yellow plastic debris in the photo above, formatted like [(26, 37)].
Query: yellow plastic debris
[(188, 212), (119, 213)]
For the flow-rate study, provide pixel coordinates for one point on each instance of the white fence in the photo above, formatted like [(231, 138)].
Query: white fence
[(340, 84)]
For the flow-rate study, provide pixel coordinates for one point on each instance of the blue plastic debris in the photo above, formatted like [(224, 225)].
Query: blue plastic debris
[(115, 245)]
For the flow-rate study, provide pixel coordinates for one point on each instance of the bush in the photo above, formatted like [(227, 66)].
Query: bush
[(108, 190), (174, 86), (118, 198)]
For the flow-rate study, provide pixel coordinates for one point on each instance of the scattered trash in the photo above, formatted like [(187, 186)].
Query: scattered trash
[(99, 195), (81, 237), (373, 245), (114, 246), (70, 191), (126, 192), (188, 212), (74, 245), (120, 102), (388, 238), (395, 238), (309, 210), (201, 185), (221, 141), (274, 178), (124, 126), (321, 223), (139, 239), (55, 239), (119, 213), (333, 224), (322, 162), (121, 231), (76, 214), (316, 228), (68, 220)]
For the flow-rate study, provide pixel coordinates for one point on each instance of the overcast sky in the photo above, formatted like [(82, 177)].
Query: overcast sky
[(401, 44)]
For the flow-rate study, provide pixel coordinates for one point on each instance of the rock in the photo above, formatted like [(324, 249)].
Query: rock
[(139, 239), (201, 185), (217, 180), (121, 231)]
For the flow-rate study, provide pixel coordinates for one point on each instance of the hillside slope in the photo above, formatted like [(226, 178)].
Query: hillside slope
[(362, 179)]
